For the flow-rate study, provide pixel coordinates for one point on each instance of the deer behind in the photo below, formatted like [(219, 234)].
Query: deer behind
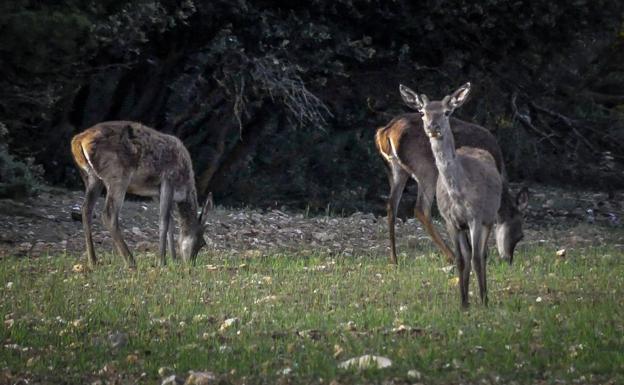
[(130, 157), (407, 153)]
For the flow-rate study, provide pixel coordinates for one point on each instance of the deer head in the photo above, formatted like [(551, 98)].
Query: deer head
[(435, 115), (509, 228), (192, 235)]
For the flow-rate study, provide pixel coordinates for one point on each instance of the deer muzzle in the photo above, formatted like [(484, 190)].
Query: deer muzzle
[(435, 134)]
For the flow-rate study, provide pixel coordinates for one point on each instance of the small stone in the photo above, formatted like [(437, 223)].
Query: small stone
[(132, 359), (200, 378), (414, 374), (338, 350), (137, 231), (366, 361), (32, 361), (448, 269), (267, 299), (76, 215), (350, 326), (165, 371), (228, 323), (324, 237), (172, 380)]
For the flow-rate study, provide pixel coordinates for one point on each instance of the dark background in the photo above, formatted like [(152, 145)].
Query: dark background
[(278, 101)]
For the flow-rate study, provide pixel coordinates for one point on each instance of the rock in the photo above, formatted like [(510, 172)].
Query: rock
[(201, 378), (172, 380), (366, 361)]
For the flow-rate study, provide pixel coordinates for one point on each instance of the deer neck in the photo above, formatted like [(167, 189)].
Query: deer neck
[(507, 206), (187, 209), (450, 169)]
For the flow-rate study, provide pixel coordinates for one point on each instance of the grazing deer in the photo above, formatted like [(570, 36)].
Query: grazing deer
[(407, 153), (130, 157), (468, 189)]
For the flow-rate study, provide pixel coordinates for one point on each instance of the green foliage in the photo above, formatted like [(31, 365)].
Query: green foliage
[(551, 320), (44, 40), (18, 178), (193, 68)]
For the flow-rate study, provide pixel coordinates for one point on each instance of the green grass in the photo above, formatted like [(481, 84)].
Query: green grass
[(549, 319)]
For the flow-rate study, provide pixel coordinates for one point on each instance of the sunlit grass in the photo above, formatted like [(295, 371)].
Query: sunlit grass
[(549, 319)]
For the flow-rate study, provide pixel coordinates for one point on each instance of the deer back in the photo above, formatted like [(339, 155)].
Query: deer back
[(120, 149), (405, 138)]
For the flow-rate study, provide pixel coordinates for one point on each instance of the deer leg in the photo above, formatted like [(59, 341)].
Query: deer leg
[(478, 237), (166, 198), (93, 191), (485, 235), (398, 178), (464, 280), (114, 200), (170, 238), (422, 211), (458, 238)]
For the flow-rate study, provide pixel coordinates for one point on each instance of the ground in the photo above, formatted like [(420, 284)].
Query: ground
[(50, 223), (284, 298)]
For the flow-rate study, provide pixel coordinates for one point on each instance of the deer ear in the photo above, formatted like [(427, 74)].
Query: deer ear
[(208, 205), (522, 199), (412, 99), (457, 98)]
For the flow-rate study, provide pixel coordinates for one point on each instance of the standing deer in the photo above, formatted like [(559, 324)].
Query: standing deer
[(407, 153), (130, 157), (468, 189)]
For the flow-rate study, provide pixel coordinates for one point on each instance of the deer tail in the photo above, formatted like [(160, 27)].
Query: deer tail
[(78, 153)]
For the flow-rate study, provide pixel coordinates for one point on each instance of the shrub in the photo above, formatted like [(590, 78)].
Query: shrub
[(17, 178)]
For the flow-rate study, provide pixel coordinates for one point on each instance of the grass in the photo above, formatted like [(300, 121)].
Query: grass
[(549, 320)]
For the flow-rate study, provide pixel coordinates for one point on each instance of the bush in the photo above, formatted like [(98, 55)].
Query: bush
[(17, 178)]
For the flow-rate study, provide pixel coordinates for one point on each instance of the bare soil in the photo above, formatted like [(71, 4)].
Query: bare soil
[(50, 224)]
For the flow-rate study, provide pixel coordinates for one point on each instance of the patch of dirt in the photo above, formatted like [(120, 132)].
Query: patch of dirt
[(50, 223)]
